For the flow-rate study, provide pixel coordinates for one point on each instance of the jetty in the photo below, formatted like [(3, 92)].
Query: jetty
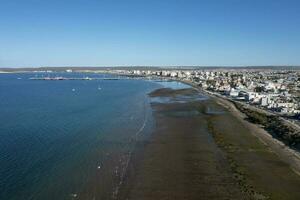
[(59, 78)]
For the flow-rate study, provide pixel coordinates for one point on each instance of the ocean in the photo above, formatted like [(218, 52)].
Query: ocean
[(70, 139)]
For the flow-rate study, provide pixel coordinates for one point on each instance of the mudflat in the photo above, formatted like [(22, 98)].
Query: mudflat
[(199, 150)]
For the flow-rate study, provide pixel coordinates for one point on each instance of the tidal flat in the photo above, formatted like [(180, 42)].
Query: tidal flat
[(200, 150)]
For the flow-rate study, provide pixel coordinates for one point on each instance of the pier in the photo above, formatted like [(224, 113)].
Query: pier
[(73, 78)]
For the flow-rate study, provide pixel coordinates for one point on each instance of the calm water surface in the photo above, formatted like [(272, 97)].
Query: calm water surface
[(70, 139)]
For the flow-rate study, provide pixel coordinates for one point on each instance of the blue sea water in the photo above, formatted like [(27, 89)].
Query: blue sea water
[(69, 139)]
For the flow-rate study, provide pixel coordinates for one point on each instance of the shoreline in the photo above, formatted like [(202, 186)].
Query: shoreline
[(286, 153), (197, 146), (225, 149), (165, 168)]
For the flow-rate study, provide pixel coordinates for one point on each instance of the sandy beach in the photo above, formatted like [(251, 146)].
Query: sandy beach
[(202, 149)]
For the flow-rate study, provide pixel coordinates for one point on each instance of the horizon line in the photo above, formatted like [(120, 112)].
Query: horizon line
[(154, 66)]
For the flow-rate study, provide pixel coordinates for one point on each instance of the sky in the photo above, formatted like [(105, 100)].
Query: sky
[(36, 33)]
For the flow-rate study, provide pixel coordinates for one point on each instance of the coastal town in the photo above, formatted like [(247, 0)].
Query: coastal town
[(150, 100), (277, 91), (250, 115)]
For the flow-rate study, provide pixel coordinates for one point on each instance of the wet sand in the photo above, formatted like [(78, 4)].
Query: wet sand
[(200, 150)]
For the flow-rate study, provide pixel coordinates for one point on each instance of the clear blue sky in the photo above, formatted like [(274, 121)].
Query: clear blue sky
[(149, 32)]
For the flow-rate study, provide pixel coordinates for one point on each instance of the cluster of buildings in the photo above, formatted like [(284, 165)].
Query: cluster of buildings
[(275, 90)]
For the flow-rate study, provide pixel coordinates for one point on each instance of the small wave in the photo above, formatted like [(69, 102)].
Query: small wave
[(128, 159)]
